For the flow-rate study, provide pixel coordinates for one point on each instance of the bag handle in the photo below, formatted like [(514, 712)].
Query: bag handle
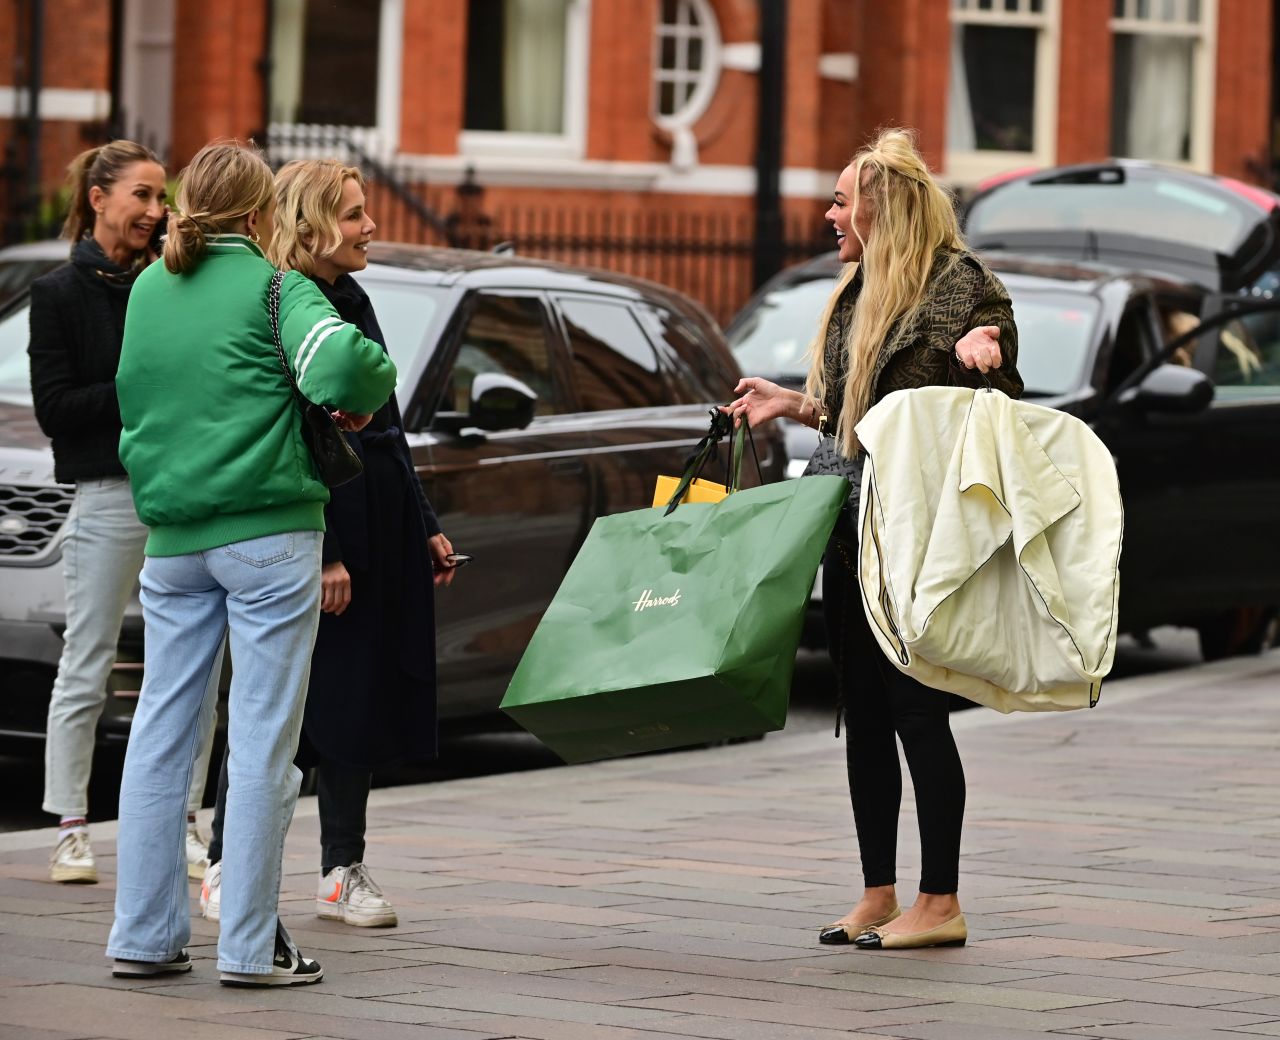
[(721, 425)]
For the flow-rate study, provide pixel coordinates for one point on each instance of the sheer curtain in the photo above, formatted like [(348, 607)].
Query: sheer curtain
[(288, 39), (961, 136), (1159, 116), (533, 65)]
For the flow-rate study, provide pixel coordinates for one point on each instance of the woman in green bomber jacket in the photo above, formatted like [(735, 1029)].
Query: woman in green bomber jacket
[(221, 476)]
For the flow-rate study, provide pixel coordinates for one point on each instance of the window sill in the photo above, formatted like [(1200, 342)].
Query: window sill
[(968, 169), (499, 144)]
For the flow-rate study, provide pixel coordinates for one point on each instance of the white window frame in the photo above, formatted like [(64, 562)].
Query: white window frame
[(572, 143), (147, 27), (706, 81), (1204, 35), (383, 137), (969, 167), (390, 76)]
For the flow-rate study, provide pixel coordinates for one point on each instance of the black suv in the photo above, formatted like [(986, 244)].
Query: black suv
[(536, 398)]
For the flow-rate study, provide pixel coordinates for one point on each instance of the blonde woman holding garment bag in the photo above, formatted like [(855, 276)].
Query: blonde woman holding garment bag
[(912, 308)]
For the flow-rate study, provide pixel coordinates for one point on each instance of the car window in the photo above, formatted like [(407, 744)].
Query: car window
[(695, 366), (405, 312), (16, 274), (15, 371), (772, 339), (1055, 332), (1134, 344), (507, 335), (1247, 360), (614, 364)]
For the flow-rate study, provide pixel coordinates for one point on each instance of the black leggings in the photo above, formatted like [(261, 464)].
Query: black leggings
[(342, 796), (880, 701)]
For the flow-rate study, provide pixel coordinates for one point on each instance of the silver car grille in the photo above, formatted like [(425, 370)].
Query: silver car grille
[(30, 517)]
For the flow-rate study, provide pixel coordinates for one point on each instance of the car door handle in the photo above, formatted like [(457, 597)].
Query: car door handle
[(567, 466)]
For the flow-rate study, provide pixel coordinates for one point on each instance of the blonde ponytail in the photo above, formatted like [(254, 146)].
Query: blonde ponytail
[(223, 184)]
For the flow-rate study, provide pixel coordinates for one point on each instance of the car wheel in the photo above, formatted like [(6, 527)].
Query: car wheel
[(1239, 633)]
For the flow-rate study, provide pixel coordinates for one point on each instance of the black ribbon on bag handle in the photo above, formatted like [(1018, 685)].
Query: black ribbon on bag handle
[(721, 426)]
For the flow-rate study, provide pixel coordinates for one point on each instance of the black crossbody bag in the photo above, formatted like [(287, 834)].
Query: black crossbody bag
[(335, 462)]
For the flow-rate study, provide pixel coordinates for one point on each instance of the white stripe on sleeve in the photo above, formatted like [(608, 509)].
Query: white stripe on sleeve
[(331, 320), (316, 346)]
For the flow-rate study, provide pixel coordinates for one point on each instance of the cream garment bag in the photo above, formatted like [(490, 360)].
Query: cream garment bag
[(989, 547)]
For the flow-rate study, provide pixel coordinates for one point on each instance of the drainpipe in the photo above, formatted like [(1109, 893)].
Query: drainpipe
[(265, 65), (34, 82), (767, 255), (116, 125)]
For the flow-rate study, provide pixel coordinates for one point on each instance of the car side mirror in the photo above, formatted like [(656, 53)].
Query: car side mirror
[(1169, 388), (501, 402)]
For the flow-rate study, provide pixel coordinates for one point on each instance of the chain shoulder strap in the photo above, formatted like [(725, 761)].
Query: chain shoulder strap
[(273, 310)]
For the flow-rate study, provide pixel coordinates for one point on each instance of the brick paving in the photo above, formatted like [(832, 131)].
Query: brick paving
[(1121, 879)]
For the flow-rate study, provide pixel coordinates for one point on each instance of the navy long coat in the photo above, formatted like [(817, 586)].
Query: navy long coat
[(372, 698)]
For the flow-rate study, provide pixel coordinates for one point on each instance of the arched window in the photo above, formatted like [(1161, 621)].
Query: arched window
[(686, 62)]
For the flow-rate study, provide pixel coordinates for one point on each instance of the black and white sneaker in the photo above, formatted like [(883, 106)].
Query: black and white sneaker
[(288, 968), (146, 969)]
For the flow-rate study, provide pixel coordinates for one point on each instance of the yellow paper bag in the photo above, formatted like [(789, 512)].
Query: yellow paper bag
[(699, 491)]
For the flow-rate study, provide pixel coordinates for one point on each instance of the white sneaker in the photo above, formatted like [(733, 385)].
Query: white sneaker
[(349, 895), (197, 853), (288, 967), (72, 860), (211, 892)]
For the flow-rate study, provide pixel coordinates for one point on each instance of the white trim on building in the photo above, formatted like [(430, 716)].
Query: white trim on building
[(57, 103), (603, 175), (390, 76)]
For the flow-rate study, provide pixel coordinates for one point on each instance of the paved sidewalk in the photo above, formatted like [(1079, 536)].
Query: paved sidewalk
[(1121, 878)]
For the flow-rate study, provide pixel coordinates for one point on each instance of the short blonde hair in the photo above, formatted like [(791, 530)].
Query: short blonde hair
[(223, 184), (308, 200)]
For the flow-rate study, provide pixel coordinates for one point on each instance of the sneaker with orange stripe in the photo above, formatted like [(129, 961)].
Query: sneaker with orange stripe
[(349, 895)]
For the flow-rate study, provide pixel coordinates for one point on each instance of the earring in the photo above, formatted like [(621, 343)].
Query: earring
[(255, 237)]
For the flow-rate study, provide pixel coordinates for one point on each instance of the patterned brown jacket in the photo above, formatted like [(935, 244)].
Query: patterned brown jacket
[(919, 350)]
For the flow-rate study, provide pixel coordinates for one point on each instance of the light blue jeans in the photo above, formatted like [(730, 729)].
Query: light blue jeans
[(101, 558), (266, 592)]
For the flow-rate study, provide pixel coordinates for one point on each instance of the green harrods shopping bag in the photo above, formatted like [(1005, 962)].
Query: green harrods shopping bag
[(677, 629)]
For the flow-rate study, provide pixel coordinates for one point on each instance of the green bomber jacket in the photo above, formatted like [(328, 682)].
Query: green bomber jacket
[(212, 438)]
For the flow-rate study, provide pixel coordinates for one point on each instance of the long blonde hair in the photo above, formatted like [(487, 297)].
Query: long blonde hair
[(912, 218), (308, 198), (223, 184)]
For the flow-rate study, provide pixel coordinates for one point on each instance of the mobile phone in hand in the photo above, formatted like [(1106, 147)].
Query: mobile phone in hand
[(458, 559), (156, 242)]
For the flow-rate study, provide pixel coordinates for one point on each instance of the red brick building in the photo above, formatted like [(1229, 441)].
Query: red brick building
[(646, 109)]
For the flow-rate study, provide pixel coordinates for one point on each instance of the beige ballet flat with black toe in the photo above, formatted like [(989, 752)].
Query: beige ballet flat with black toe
[(950, 933), (839, 935)]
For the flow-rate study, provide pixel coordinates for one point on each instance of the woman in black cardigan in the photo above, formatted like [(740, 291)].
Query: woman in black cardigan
[(371, 702), (77, 325)]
